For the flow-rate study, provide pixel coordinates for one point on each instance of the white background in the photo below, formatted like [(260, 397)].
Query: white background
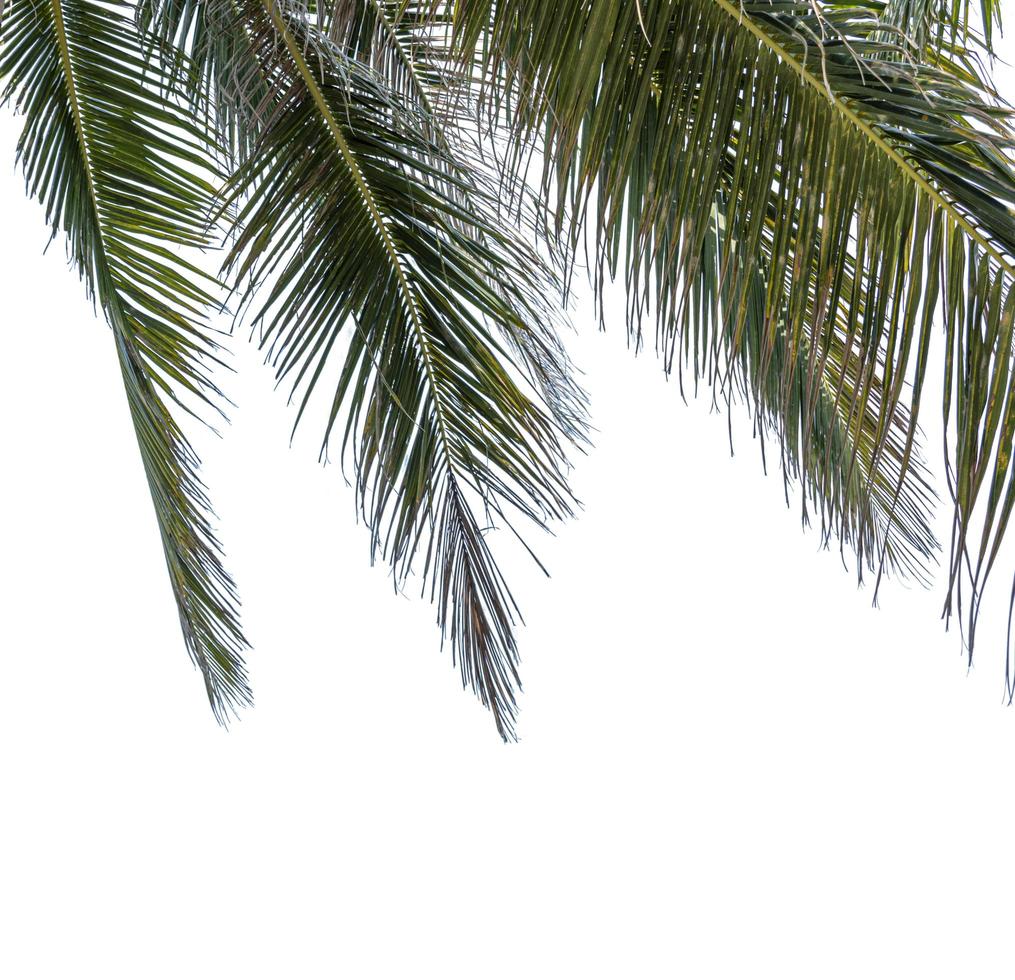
[(730, 766)]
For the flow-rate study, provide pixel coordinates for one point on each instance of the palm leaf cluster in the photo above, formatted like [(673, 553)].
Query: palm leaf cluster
[(808, 203)]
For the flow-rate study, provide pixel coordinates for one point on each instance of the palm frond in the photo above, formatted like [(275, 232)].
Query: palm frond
[(871, 193), (355, 220), (117, 168)]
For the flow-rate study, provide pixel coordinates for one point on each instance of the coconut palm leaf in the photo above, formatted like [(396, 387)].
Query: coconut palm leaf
[(354, 221), (118, 169), (872, 193)]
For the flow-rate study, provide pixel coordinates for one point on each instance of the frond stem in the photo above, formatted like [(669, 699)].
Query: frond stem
[(72, 93)]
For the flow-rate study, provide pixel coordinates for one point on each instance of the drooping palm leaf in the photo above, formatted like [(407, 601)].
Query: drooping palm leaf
[(359, 223), (865, 189), (496, 260), (118, 170)]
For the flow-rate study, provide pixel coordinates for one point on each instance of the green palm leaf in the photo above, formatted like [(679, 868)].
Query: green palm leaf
[(117, 167), (871, 194), (355, 220)]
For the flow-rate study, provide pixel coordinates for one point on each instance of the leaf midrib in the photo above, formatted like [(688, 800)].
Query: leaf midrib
[(63, 44)]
